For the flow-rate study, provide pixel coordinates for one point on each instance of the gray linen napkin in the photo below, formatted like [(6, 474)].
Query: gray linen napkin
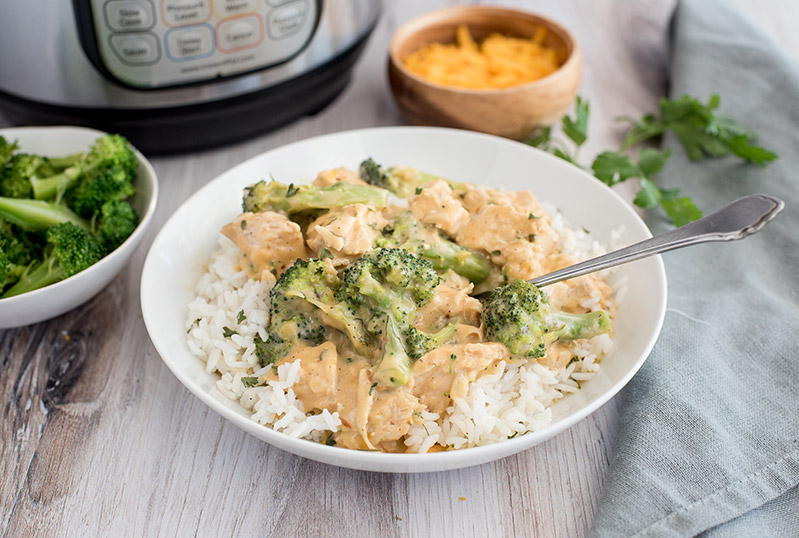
[(709, 434)]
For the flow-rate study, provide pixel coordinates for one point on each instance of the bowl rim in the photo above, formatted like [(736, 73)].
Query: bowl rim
[(144, 220), (388, 462), (414, 25)]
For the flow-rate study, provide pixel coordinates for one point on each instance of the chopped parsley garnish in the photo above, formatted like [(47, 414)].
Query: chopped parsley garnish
[(372, 388), (532, 217), (496, 253), (243, 224), (418, 191), (291, 190), (240, 317), (227, 332), (249, 381), (324, 253), (453, 357)]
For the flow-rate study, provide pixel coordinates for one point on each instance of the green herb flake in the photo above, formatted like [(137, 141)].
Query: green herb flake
[(453, 357), (372, 388), (324, 253), (531, 216), (496, 253), (292, 190), (388, 229), (227, 332), (249, 381), (240, 317), (243, 224), (575, 358), (194, 324), (418, 191)]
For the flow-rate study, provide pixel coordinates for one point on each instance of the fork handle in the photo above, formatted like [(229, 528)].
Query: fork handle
[(736, 220)]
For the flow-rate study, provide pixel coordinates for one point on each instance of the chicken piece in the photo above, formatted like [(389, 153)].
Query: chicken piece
[(495, 226), (347, 232), (445, 373), (579, 295), (437, 205), (451, 302), (476, 198), (391, 414), (269, 243), (316, 386), (326, 178)]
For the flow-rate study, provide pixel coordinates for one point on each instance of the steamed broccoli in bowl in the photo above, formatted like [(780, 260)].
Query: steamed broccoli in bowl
[(42, 197)]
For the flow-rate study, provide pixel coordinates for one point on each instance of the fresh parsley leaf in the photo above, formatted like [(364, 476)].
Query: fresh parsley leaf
[(651, 161), (612, 168), (739, 145), (249, 381), (291, 190), (540, 138), (324, 253), (577, 129), (227, 332), (240, 317), (681, 210), (649, 194)]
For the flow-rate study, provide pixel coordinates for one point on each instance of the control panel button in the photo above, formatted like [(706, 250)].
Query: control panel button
[(189, 43), (231, 8), (135, 49), (239, 33), (184, 12), (126, 15), (287, 20)]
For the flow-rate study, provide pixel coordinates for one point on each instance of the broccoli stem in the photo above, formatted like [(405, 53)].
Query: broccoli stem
[(292, 199), (55, 186), (394, 369), (46, 273), (61, 163), (448, 255), (37, 215), (576, 326)]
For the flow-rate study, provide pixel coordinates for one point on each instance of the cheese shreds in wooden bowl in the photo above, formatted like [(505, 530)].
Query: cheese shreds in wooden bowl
[(498, 61)]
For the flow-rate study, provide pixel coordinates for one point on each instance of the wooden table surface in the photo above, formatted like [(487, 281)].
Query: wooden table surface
[(99, 438)]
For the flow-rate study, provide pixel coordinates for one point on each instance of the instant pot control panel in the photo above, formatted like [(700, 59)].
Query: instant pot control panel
[(161, 43)]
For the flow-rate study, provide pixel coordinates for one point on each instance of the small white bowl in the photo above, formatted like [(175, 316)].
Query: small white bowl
[(53, 300), (179, 253)]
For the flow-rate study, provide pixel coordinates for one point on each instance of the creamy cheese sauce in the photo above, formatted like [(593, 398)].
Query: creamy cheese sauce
[(510, 228)]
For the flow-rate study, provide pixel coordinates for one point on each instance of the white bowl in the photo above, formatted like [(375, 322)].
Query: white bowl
[(177, 257), (53, 300)]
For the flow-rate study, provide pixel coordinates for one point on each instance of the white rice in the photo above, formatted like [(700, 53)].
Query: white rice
[(512, 401)]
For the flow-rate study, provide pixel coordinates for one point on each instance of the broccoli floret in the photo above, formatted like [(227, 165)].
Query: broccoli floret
[(400, 180), (410, 234), (17, 250), (7, 149), (300, 301), (116, 222), (106, 173), (15, 177), (70, 249), (420, 343), (37, 215), (518, 315), (290, 199), (385, 287)]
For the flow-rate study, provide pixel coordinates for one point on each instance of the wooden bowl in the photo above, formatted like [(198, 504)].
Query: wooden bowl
[(510, 112)]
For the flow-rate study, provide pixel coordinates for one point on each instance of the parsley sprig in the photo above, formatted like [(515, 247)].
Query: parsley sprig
[(702, 132)]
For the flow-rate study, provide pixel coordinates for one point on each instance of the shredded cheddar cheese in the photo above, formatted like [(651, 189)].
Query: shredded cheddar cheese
[(497, 62)]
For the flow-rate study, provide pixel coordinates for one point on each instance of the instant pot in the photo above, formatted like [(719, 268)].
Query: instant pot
[(174, 75)]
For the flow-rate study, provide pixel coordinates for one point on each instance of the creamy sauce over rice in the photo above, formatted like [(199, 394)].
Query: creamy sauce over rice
[(511, 228)]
